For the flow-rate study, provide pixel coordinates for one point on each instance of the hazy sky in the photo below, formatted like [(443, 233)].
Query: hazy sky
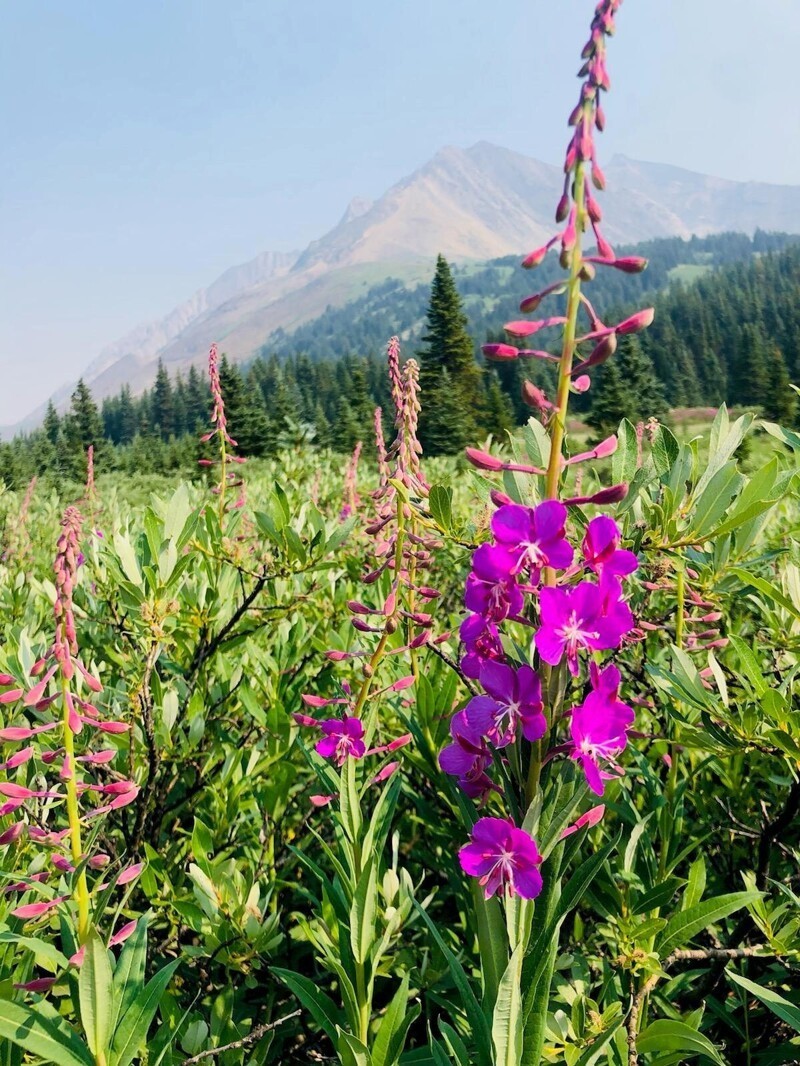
[(148, 146)]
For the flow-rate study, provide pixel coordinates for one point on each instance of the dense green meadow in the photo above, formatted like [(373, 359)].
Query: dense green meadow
[(206, 623)]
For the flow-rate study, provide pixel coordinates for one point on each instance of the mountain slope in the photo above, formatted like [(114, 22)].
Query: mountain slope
[(470, 204)]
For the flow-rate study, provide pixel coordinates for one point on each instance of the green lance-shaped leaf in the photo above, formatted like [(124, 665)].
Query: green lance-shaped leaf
[(362, 913), (384, 1050), (786, 1011), (507, 1015), (352, 1052), (682, 926), (319, 1005), (480, 1027), (135, 1023), (50, 1040), (129, 972), (96, 996), (668, 1035)]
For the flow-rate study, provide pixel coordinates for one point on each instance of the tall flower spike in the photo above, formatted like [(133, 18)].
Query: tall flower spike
[(226, 443), (62, 676)]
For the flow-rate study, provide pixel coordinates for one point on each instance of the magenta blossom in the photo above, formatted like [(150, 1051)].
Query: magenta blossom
[(599, 726), (468, 757), (482, 643), (491, 590), (343, 738), (533, 537), (504, 858), (517, 697), (585, 616), (601, 550)]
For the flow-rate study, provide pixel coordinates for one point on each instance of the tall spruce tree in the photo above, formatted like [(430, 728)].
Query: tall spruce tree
[(451, 388), (82, 426), (162, 404)]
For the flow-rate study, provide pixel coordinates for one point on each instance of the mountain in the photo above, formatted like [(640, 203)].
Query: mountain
[(470, 204)]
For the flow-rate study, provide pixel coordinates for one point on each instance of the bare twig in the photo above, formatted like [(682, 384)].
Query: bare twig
[(246, 1041)]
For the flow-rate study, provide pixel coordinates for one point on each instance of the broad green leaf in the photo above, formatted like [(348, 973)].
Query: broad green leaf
[(42, 951), (321, 1007), (696, 885), (507, 1015), (624, 459), (786, 1011), (668, 1035), (50, 1040), (716, 498), (96, 996), (455, 1045), (135, 1022), (682, 926), (440, 502), (664, 451), (537, 443)]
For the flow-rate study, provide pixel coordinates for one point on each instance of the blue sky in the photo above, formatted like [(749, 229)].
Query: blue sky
[(149, 146)]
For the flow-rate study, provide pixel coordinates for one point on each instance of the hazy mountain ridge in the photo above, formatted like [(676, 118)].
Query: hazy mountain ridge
[(470, 204)]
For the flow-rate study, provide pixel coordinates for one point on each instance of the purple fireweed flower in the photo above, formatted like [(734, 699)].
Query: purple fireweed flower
[(468, 757), (482, 643), (517, 696), (601, 550), (599, 726), (585, 616), (534, 537), (343, 739), (504, 858), (491, 590)]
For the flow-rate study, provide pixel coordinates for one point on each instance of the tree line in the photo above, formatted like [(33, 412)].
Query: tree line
[(732, 334)]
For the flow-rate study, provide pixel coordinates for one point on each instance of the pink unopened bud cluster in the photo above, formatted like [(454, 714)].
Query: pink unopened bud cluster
[(351, 498), (220, 430), (59, 677), (578, 209)]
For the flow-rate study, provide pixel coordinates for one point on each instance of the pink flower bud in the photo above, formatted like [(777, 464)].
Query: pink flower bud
[(6, 679), (18, 758), (582, 383), (305, 719), (130, 873), (600, 353), (537, 256), (77, 959), (122, 934), (562, 210), (90, 679), (108, 727), (482, 460), (613, 494), (11, 696), (598, 177), (14, 832), (320, 801), (35, 910), (205, 462), (317, 701), (491, 351), (500, 499), (39, 984), (525, 329), (630, 264), (641, 320), (385, 773), (534, 397)]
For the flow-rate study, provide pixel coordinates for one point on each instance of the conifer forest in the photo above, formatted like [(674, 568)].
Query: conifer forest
[(425, 689)]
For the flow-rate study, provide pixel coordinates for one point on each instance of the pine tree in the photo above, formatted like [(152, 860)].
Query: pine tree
[(82, 427), (162, 404), (752, 383), (626, 387), (51, 424), (450, 378), (780, 400)]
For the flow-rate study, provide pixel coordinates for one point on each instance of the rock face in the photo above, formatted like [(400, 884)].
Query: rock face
[(475, 203)]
